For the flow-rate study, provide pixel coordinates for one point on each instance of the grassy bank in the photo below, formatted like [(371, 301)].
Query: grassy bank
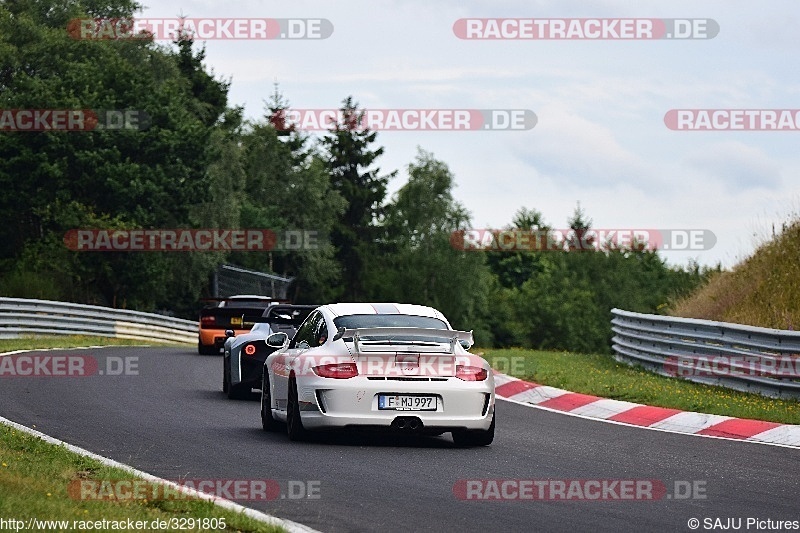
[(38, 479), (763, 290), (35, 479), (71, 341)]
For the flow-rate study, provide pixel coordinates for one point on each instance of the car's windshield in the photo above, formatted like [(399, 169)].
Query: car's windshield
[(391, 321), (246, 304), (388, 321)]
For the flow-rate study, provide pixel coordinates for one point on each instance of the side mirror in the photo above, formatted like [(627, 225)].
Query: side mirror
[(465, 344), (277, 340), (229, 333)]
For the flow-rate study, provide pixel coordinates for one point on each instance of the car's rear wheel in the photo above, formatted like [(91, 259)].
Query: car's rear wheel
[(294, 424), (268, 422), (237, 392), (472, 437), (206, 350)]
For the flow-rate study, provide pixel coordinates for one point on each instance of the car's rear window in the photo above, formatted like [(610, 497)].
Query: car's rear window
[(257, 304), (388, 321)]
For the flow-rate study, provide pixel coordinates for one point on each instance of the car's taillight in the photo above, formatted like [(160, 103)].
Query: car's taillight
[(207, 321), (471, 373), (337, 370), (250, 349)]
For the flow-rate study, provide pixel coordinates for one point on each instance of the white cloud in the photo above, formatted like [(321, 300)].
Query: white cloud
[(600, 137), (580, 152), (736, 165)]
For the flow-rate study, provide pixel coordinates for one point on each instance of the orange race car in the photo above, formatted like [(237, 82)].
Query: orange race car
[(236, 313)]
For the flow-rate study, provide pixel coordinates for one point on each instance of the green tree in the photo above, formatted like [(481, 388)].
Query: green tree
[(350, 159), (157, 177), (288, 188), (514, 267), (562, 299), (421, 266), (581, 240)]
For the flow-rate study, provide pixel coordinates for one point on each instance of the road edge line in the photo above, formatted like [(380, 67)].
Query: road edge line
[(292, 527)]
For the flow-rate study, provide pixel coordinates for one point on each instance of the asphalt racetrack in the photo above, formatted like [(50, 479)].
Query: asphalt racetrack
[(171, 419)]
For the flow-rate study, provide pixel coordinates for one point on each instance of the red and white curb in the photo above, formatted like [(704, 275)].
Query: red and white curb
[(646, 416)]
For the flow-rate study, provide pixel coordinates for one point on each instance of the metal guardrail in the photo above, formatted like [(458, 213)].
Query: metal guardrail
[(20, 317), (718, 353)]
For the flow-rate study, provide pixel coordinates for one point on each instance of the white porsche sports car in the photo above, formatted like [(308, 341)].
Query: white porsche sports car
[(395, 367)]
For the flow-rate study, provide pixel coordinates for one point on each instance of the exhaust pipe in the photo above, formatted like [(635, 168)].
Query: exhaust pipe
[(407, 423)]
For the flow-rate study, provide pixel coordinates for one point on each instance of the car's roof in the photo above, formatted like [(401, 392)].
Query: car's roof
[(344, 309)]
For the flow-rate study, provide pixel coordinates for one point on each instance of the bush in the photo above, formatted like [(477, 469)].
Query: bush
[(39, 285)]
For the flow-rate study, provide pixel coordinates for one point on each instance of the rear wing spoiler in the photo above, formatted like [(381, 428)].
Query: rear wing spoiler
[(245, 299), (267, 301), (446, 335), (277, 314)]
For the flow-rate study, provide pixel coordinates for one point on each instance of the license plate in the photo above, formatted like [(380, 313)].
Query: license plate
[(402, 402), (236, 321)]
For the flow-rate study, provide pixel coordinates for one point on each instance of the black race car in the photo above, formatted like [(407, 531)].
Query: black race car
[(244, 355), (228, 314)]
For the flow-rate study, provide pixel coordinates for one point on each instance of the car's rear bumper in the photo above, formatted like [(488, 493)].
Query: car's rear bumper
[(216, 337), (328, 403)]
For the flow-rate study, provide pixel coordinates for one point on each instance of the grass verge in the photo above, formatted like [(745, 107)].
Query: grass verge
[(601, 375), (71, 341), (36, 476), (35, 479)]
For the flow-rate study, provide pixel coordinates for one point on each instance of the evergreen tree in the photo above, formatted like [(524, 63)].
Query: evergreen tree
[(350, 157)]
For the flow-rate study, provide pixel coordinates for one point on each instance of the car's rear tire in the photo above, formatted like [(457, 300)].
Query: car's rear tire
[(294, 424), (206, 350), (268, 422), (472, 437), (237, 392)]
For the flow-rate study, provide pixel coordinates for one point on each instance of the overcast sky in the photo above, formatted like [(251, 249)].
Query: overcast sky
[(600, 140)]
